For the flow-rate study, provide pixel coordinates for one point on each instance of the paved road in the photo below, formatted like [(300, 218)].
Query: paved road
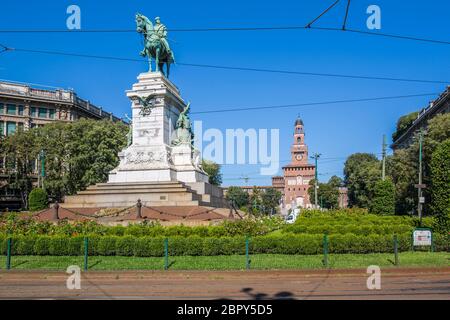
[(406, 283)]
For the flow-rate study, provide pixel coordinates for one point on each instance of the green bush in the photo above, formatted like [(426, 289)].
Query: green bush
[(106, 246), (211, 246), (383, 201), (149, 247), (125, 245), (42, 245), (23, 245), (66, 246), (37, 199)]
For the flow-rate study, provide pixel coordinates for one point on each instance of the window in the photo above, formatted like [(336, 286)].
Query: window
[(11, 109), (20, 111), (2, 128), (42, 113), (10, 128), (2, 107), (20, 124), (51, 113), (33, 112)]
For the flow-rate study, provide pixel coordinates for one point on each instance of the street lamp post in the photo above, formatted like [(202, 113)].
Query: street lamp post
[(42, 173), (316, 183)]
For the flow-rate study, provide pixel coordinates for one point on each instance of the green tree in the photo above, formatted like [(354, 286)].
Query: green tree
[(270, 200), (383, 201), (238, 196), (361, 171), (403, 123), (255, 200), (76, 154), (213, 171), (328, 193), (20, 151), (38, 199), (440, 185), (92, 148), (335, 181), (80, 154), (404, 169)]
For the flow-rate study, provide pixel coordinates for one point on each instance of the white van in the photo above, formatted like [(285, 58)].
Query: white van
[(293, 216)]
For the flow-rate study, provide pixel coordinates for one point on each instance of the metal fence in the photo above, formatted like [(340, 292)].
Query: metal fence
[(247, 263)]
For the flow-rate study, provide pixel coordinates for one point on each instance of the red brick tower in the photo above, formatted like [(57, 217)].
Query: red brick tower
[(298, 173)]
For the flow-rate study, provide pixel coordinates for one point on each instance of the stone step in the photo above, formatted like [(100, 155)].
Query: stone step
[(137, 188), (131, 196), (133, 191), (122, 204), (165, 183), (126, 194)]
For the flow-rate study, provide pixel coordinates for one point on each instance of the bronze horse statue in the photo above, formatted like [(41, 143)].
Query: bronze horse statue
[(155, 45)]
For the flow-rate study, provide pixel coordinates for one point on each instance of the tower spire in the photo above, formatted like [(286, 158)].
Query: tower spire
[(299, 150)]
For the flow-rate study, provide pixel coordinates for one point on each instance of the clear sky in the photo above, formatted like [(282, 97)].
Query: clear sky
[(335, 131)]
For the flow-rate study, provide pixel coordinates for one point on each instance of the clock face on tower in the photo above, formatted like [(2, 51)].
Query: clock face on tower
[(299, 157)]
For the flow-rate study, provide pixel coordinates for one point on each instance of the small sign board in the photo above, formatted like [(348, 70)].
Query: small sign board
[(422, 200), (422, 237)]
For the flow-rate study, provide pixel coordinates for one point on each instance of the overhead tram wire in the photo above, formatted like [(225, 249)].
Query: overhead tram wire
[(248, 69), (320, 15), (234, 29), (310, 73), (317, 103), (344, 24), (4, 48), (292, 72)]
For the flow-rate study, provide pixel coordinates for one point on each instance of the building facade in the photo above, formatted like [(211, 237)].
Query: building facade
[(297, 174), (294, 183), (25, 107), (22, 106), (438, 106)]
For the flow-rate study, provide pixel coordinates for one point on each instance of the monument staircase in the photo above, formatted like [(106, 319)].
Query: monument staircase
[(154, 194)]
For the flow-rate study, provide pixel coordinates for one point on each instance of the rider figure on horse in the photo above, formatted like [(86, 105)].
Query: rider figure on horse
[(161, 31)]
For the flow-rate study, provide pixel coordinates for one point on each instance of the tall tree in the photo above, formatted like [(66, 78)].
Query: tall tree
[(361, 171), (76, 154), (383, 201), (20, 151), (238, 196), (328, 193), (403, 123), (255, 202), (270, 199), (404, 169), (440, 185), (213, 171)]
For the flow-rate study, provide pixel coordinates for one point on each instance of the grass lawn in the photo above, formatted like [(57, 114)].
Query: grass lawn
[(234, 262)]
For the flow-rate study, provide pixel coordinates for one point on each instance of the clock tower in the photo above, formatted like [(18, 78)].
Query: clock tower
[(299, 150), (298, 173)]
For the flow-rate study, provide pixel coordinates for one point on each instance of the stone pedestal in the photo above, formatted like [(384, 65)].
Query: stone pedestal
[(158, 168), (151, 157)]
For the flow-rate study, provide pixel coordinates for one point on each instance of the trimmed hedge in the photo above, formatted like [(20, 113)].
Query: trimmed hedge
[(196, 245), (365, 229)]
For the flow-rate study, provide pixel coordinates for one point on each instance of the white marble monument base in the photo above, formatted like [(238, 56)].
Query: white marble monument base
[(189, 174), (154, 175)]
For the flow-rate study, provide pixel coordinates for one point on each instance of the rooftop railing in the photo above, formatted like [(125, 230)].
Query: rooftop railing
[(56, 95)]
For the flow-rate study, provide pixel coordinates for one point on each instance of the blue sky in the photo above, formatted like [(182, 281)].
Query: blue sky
[(335, 131)]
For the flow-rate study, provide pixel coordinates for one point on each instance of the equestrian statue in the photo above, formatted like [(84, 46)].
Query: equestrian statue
[(156, 45)]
